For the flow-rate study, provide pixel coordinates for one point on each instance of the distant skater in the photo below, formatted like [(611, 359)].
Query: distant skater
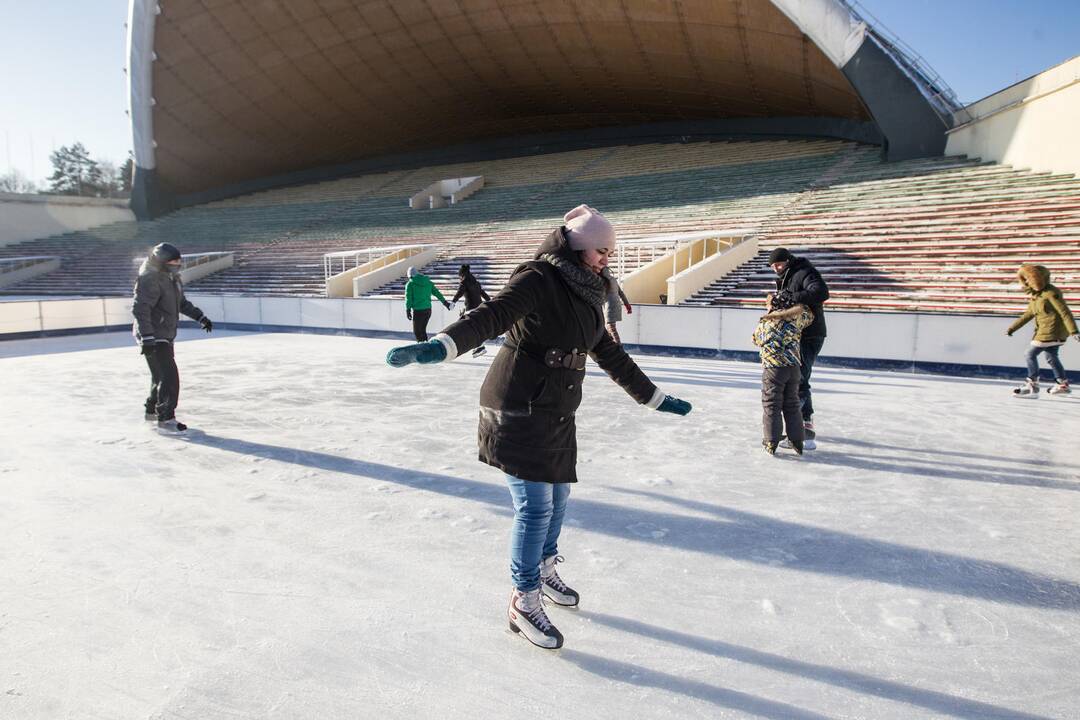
[(798, 281), (613, 308), (552, 313), (159, 302), (418, 292), (1054, 324), (470, 289)]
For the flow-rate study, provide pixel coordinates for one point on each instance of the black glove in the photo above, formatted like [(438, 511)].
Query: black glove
[(408, 313), (785, 298), (147, 347), (446, 305), (206, 324)]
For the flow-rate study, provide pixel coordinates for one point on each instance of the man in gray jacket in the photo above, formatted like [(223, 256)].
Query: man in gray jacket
[(159, 301)]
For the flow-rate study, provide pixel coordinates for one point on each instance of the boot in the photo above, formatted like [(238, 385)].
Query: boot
[(527, 617), (797, 447), (808, 428), (479, 351), (150, 416), (553, 586), (1062, 388), (770, 447), (1030, 388)]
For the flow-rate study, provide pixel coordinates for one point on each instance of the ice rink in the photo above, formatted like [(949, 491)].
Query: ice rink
[(324, 544)]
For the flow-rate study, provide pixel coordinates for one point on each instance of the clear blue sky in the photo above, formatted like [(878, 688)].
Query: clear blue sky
[(63, 63)]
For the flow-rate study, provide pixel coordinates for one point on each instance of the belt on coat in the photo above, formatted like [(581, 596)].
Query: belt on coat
[(552, 357)]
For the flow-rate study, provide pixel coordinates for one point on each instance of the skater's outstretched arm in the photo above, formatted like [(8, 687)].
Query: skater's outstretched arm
[(518, 298), (1020, 322), (620, 367)]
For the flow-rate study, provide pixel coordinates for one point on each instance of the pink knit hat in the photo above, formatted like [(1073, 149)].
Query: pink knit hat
[(588, 229)]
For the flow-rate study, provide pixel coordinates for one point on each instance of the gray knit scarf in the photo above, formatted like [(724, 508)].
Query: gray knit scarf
[(586, 284)]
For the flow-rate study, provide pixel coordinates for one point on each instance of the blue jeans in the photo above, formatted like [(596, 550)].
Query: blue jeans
[(539, 508), (1032, 357)]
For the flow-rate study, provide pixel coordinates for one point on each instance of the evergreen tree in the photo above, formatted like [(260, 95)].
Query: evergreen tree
[(74, 173), (127, 175)]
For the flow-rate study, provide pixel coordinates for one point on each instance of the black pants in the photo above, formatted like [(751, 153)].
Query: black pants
[(164, 382), (780, 402), (809, 348), (419, 324)]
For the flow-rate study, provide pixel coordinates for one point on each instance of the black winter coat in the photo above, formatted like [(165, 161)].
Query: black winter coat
[(808, 288), (470, 288), (526, 407)]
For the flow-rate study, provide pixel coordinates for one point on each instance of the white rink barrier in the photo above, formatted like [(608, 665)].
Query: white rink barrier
[(879, 339)]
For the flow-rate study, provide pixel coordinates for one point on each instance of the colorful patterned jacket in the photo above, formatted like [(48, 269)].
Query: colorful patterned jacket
[(778, 335)]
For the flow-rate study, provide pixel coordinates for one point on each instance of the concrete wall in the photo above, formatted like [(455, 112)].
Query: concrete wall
[(29, 217), (956, 344), (1032, 124)]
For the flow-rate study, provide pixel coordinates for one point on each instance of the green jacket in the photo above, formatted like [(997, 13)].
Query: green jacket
[(1053, 321), (418, 292)]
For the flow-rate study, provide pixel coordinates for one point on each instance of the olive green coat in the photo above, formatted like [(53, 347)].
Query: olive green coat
[(1053, 321)]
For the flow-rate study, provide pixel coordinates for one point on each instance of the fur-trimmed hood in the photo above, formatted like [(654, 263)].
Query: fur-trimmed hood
[(790, 314), (1035, 277)]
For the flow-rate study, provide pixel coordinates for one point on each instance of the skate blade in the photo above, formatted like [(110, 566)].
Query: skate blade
[(1029, 396), (517, 631)]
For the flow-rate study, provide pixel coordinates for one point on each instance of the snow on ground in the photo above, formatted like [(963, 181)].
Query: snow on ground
[(325, 545)]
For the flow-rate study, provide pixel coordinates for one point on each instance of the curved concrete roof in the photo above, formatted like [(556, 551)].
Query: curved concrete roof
[(227, 91)]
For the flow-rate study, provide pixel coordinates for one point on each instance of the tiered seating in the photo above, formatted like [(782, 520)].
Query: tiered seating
[(943, 234), (279, 236), (933, 236), (724, 185)]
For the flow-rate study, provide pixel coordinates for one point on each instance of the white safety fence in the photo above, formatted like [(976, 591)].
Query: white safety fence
[(894, 337)]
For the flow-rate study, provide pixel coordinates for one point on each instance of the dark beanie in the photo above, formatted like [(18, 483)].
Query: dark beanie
[(165, 252), (780, 255)]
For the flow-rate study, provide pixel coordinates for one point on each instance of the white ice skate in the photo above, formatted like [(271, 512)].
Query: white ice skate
[(553, 586), (171, 427), (527, 617), (1029, 390), (1062, 388)]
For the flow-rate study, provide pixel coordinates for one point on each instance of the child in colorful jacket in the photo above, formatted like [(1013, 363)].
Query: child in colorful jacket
[(1054, 323), (778, 334)]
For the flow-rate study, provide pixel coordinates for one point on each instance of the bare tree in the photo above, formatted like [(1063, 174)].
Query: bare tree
[(16, 182)]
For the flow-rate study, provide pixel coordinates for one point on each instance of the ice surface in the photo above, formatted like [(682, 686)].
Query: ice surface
[(325, 545)]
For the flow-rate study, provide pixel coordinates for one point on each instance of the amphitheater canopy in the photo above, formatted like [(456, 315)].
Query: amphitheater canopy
[(228, 91)]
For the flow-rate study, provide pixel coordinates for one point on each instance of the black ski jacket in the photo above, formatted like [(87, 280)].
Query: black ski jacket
[(470, 288), (808, 288)]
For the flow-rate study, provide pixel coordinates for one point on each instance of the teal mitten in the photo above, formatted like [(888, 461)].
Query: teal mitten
[(424, 353), (674, 405)]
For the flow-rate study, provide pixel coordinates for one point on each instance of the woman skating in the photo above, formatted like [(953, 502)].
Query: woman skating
[(552, 312)]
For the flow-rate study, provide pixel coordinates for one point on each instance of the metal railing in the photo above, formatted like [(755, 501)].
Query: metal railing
[(352, 259), (18, 263), (642, 252), (943, 98)]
